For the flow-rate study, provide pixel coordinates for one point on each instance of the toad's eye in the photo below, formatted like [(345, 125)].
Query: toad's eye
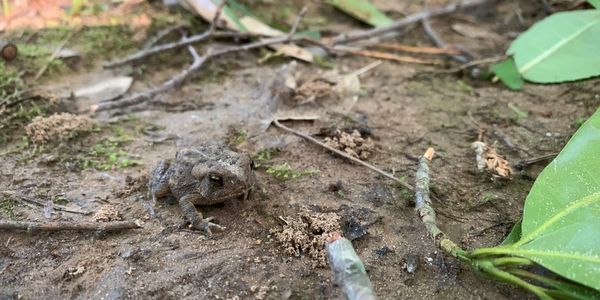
[(216, 179), (252, 165)]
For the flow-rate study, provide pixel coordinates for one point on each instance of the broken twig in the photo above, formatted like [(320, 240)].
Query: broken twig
[(410, 19), (32, 200), (178, 79), (175, 81), (348, 269), (524, 163), (61, 226), (345, 155), (54, 55), (438, 41), (426, 212)]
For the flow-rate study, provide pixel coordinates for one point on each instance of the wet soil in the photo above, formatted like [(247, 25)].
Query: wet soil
[(403, 108)]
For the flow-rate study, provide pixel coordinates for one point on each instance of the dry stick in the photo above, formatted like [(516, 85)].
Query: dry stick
[(297, 21), (175, 81), (387, 56), (438, 41), (345, 155), (210, 33), (161, 34), (417, 49), (59, 226), (348, 269), (54, 55), (37, 202), (182, 43), (183, 75), (426, 212), (410, 19), (522, 164)]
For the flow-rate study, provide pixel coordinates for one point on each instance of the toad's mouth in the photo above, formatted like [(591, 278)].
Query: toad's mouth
[(232, 195)]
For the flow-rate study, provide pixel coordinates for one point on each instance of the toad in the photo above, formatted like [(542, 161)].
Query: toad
[(204, 175)]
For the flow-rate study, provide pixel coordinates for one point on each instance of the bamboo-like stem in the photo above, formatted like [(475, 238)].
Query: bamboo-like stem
[(426, 212), (348, 269)]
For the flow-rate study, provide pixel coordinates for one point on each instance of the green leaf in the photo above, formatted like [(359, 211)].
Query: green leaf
[(362, 10), (514, 235), (508, 74), (561, 218), (562, 47), (594, 3)]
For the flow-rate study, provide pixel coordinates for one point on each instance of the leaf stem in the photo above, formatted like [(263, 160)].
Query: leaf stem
[(488, 267), (511, 261)]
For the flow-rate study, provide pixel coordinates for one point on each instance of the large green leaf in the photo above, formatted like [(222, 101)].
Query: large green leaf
[(561, 219), (508, 73), (562, 47), (362, 10)]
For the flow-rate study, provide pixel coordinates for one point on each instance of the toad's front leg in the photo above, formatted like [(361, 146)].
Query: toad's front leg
[(194, 216)]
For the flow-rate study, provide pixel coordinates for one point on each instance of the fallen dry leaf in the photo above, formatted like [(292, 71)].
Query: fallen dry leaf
[(488, 159)]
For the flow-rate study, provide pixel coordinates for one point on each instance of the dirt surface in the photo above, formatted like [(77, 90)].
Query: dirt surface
[(402, 108)]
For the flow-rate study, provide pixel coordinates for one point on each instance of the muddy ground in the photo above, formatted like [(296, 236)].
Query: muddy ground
[(403, 108)]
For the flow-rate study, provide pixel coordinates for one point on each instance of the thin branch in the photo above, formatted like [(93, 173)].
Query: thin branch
[(524, 163), (410, 19), (61, 226), (438, 41), (425, 210), (161, 34), (54, 55), (174, 82), (174, 45), (39, 203), (297, 22), (344, 155), (178, 79), (215, 21)]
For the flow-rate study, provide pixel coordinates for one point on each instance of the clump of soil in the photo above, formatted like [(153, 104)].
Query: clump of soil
[(107, 213), (62, 127), (307, 233), (352, 143), (134, 184), (314, 90)]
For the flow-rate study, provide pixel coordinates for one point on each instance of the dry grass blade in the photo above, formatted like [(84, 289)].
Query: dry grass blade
[(389, 56), (416, 49)]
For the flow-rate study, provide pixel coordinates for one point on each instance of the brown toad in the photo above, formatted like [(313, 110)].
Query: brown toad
[(202, 176)]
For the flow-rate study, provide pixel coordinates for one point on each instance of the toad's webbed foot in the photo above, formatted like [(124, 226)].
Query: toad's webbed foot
[(195, 217), (205, 224)]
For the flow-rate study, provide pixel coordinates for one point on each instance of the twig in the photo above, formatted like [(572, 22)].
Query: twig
[(343, 154), (410, 19), (426, 212), (415, 49), (174, 45), (348, 269), (175, 81), (160, 35), (54, 55), (438, 41), (524, 163), (215, 21), (183, 75), (39, 203), (60, 226), (297, 22), (474, 63), (386, 56)]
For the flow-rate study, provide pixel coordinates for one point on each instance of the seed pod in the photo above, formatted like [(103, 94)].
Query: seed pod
[(8, 50)]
